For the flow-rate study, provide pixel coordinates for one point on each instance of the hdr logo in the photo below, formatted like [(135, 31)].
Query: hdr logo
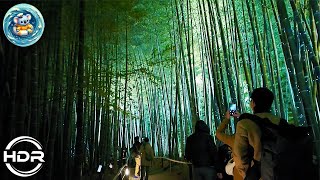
[(10, 157)]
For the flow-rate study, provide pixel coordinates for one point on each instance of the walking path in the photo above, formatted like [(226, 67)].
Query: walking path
[(165, 175), (162, 169)]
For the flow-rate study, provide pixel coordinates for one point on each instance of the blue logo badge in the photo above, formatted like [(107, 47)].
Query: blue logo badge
[(23, 25)]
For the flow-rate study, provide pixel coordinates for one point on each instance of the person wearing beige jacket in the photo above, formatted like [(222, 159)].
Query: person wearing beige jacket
[(147, 155), (248, 133)]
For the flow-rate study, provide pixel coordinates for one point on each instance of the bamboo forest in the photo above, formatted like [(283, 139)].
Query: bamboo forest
[(106, 71)]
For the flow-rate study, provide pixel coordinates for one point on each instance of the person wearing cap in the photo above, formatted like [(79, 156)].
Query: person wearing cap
[(147, 156), (248, 133)]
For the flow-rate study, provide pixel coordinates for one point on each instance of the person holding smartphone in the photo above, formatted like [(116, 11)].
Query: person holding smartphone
[(229, 138), (248, 133)]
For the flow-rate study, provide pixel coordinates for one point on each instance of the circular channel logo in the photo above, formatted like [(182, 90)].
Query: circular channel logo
[(23, 156), (23, 25)]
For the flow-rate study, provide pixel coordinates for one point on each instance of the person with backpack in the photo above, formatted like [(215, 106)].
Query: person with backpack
[(202, 152), (248, 133), (279, 151), (135, 152), (147, 155)]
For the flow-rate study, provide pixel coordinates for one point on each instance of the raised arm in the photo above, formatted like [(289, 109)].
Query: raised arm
[(220, 133), (222, 136)]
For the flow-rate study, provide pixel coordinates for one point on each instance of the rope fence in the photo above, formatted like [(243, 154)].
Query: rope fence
[(172, 160)]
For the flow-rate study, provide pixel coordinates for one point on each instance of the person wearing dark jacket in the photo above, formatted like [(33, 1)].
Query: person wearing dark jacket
[(202, 152)]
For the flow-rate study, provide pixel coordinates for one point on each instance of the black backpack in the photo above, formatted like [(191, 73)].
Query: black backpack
[(286, 151)]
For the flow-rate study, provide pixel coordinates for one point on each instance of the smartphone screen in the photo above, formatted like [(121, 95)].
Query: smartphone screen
[(233, 108)]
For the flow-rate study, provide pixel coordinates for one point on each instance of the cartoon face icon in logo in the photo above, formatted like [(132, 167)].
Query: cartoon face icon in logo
[(23, 25)]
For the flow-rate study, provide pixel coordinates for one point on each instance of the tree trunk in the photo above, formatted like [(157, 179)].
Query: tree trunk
[(79, 147)]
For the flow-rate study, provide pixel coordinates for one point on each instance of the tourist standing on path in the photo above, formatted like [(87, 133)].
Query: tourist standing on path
[(135, 151), (147, 156), (202, 152)]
